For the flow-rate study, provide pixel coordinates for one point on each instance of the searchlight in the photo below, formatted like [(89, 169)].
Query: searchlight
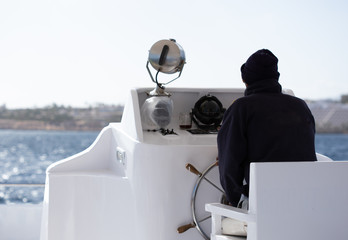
[(165, 56)]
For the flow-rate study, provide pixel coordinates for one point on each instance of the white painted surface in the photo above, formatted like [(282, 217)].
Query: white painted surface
[(20, 221), (292, 200), (132, 184)]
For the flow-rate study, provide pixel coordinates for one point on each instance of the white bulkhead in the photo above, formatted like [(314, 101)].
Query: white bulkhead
[(132, 183)]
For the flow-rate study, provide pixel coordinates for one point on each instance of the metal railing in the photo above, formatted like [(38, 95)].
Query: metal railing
[(22, 184)]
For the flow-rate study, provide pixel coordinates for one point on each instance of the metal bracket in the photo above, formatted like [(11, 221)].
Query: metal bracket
[(121, 156)]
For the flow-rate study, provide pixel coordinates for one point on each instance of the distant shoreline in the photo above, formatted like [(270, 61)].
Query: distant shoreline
[(8, 124), (60, 118), (330, 117)]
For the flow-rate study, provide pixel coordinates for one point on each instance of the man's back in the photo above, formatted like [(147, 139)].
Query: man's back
[(263, 126), (280, 128)]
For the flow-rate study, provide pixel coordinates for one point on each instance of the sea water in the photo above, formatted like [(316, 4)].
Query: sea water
[(25, 155), (335, 146)]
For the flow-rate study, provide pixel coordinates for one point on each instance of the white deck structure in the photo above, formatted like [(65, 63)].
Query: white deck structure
[(20, 221), (293, 200), (131, 183)]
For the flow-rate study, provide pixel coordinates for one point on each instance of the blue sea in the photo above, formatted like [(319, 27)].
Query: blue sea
[(25, 155)]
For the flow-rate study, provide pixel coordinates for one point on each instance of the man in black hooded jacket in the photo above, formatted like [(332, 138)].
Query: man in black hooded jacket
[(263, 126)]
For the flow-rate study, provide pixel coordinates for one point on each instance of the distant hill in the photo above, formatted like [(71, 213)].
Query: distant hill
[(56, 117)]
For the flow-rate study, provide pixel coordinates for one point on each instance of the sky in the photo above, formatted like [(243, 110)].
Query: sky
[(83, 52)]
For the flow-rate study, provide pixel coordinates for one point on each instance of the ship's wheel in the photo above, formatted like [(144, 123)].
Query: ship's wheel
[(206, 190)]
